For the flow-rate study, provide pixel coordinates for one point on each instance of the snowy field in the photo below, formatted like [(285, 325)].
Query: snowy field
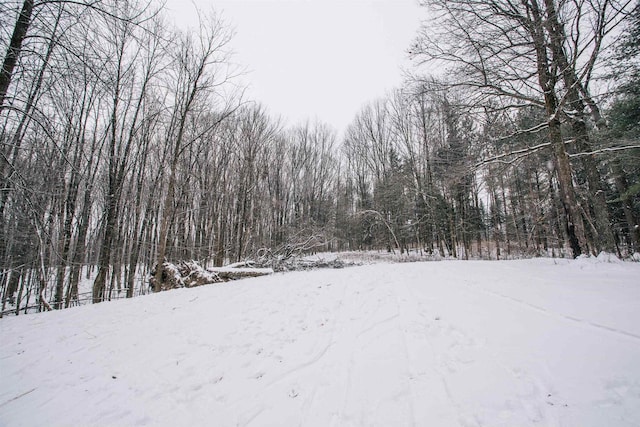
[(452, 343)]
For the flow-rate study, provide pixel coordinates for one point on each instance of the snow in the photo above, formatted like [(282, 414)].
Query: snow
[(452, 343)]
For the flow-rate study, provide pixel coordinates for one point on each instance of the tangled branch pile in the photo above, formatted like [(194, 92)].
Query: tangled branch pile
[(292, 256)]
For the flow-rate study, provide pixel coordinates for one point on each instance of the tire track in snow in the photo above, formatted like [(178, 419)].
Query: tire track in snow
[(376, 325), (309, 402), (274, 378), (533, 394), (350, 337), (18, 396), (559, 316), (456, 409), (454, 352), (320, 364), (369, 315), (405, 349), (320, 354)]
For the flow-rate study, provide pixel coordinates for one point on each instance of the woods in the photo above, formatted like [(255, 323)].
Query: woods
[(126, 143)]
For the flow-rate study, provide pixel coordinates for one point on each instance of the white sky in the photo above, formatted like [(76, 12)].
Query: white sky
[(309, 59)]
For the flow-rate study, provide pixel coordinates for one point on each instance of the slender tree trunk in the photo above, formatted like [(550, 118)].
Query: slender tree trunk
[(78, 257), (496, 215), (167, 214), (104, 261), (21, 280), (506, 216), (66, 235), (15, 46), (542, 235), (633, 229)]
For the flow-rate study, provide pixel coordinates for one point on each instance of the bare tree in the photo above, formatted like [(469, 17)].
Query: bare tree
[(200, 69), (521, 55)]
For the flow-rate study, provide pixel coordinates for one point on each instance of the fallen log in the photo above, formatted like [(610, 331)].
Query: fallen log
[(232, 273), (189, 274)]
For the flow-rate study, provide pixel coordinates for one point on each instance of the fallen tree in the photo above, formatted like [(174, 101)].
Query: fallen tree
[(189, 274), (287, 260), (240, 270), (294, 254)]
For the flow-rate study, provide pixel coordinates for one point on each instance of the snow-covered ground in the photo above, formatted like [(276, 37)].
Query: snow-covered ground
[(451, 343)]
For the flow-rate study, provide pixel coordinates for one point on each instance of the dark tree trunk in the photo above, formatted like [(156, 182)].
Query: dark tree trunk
[(15, 46), (99, 286), (547, 80), (604, 236), (622, 187), (77, 260)]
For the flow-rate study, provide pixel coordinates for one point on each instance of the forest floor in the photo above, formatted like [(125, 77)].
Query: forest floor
[(450, 343)]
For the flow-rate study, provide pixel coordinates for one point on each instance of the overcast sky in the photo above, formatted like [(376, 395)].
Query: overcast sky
[(315, 58)]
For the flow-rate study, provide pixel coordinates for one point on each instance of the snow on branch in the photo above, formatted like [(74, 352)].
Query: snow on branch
[(534, 129), (515, 155), (606, 150), (518, 153)]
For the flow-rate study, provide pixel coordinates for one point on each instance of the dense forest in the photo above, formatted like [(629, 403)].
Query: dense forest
[(125, 141)]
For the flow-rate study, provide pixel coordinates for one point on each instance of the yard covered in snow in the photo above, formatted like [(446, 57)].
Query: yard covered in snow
[(451, 343)]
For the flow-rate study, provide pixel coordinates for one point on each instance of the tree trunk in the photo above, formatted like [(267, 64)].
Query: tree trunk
[(574, 223), (77, 259), (604, 239), (164, 229), (99, 286), (622, 186), (547, 81), (15, 46)]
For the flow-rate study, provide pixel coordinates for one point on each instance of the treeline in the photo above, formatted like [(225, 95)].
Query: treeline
[(125, 142)]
